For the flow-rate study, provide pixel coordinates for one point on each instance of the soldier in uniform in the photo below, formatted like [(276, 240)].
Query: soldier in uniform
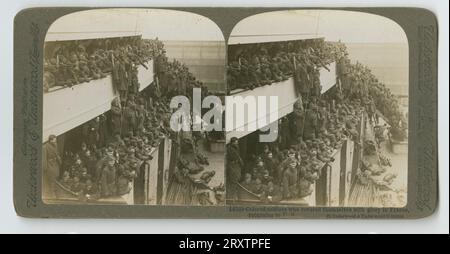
[(234, 165), (129, 123), (93, 132), (121, 75), (84, 73), (52, 163), (95, 71), (50, 74), (342, 71), (248, 181), (89, 161), (277, 75), (310, 128), (233, 75), (322, 119), (282, 167), (108, 178), (266, 71), (316, 87), (90, 192), (141, 117), (103, 130), (290, 180), (299, 119), (273, 193), (245, 75), (67, 75), (116, 116), (271, 163)]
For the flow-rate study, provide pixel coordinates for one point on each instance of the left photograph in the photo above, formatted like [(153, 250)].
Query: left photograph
[(110, 76)]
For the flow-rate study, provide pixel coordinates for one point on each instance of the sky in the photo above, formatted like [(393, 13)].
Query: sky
[(347, 26), (164, 24)]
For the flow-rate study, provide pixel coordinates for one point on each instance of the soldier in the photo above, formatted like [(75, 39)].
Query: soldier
[(233, 75), (67, 74), (96, 73), (141, 117), (316, 87), (285, 133), (247, 182), (90, 192), (245, 75), (311, 119), (121, 76), (299, 118), (123, 185), (108, 178), (290, 180), (52, 163), (260, 171), (278, 175), (84, 74), (322, 118), (89, 161), (116, 116), (271, 163), (66, 180), (93, 135), (234, 165), (266, 72), (51, 74), (273, 193), (129, 123), (258, 188), (76, 185), (81, 53), (303, 77), (277, 75), (342, 71), (134, 81), (304, 187), (102, 131)]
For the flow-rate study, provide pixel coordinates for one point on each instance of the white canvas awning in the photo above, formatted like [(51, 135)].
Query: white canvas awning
[(75, 35), (259, 38)]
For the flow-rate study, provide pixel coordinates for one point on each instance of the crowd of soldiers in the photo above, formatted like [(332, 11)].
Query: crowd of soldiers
[(319, 124), (116, 144), (111, 156), (69, 63), (190, 183), (258, 65), (287, 168), (358, 82), (176, 77)]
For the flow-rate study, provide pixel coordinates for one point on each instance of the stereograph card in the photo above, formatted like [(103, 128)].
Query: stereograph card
[(225, 113)]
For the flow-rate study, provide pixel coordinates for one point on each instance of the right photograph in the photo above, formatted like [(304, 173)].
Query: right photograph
[(340, 80)]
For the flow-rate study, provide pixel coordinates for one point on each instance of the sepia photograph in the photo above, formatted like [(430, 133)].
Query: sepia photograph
[(109, 79), (341, 83), (206, 119)]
